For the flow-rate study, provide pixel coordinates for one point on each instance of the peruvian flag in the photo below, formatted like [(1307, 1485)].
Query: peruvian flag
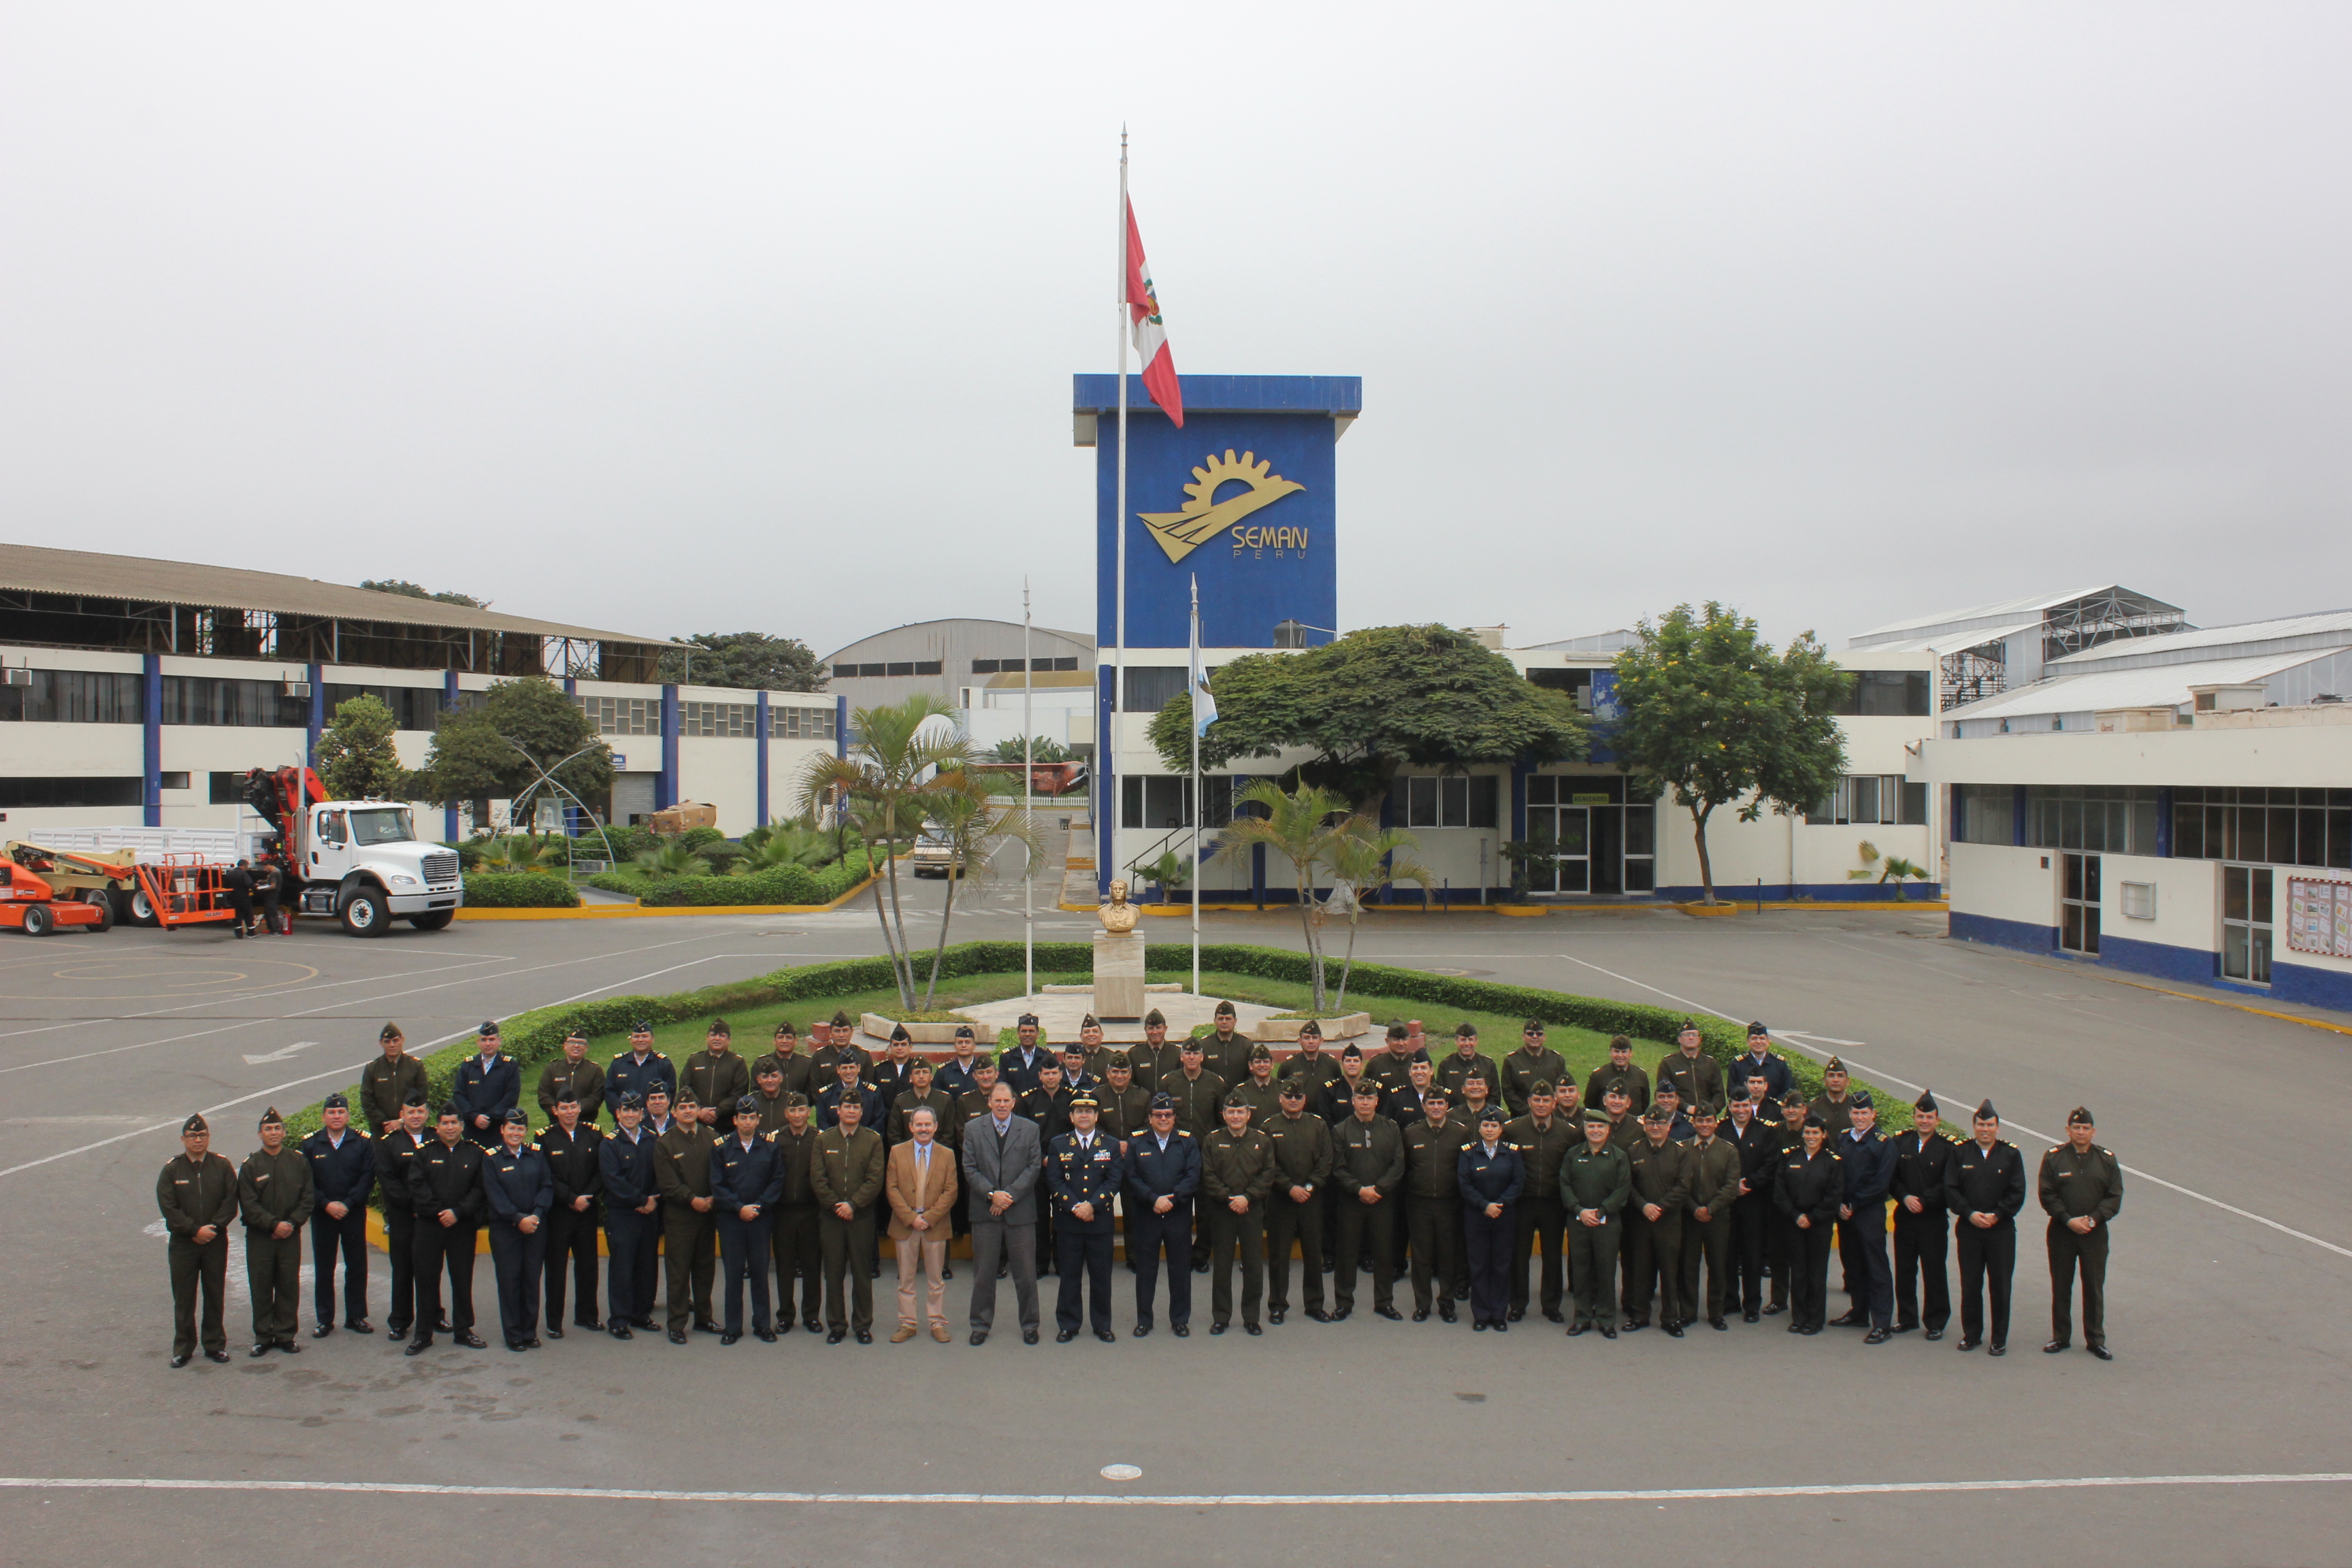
[(1150, 332)]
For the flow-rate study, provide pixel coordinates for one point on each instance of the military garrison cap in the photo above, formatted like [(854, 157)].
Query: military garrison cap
[(1540, 1085), (1027, 1021), (1420, 1055), (841, 1018), (1862, 1101), (746, 1105), (2078, 1117), (335, 1102), (898, 1033), (413, 1096), (1259, 1053), (1164, 1102), (1397, 1030), (640, 1026), (1657, 1114), (796, 1100), (514, 1118), (1985, 1112), (1832, 1064), (1813, 1119), (1756, 1029), (982, 1059), (572, 1031), (920, 1064), (1292, 1088), (1366, 1088), (1235, 1101), (1310, 1027), (1352, 1049), (195, 1124), (631, 1100), (1155, 1016), (767, 1067), (1490, 1115), (1593, 1114), (1668, 1091), (1926, 1102), (389, 1032), (1687, 1027), (1224, 1010), (270, 1117), (1072, 1048), (489, 1026), (1090, 1021), (1532, 1026), (720, 1027), (963, 1032), (1189, 1045), (1620, 1043)]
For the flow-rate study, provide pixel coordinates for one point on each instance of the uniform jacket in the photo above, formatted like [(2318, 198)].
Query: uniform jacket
[(1700, 1078), (1014, 1170), (772, 1111), (1236, 1165), (1089, 1176), (575, 1164), (274, 1189), (1986, 1181), (191, 1196), (1197, 1100), (1603, 1181), (1522, 1067), (2073, 1185), (846, 1167), (1712, 1171), (1153, 1172), (940, 1105), (741, 1177), (1777, 1078), (628, 1168), (583, 1078), (489, 1089), (1636, 1083), (1812, 1187), (1264, 1099), (1367, 1154), (873, 1118), (393, 1150), (1302, 1151), (1497, 1178), (1920, 1161), (384, 1087), (1050, 1111), (932, 1194), (717, 1081), (1454, 1067), (1869, 1165), (1154, 1064), (1431, 1159), (625, 1074), (954, 1080), (682, 1164), (1837, 1115), (1126, 1112), (516, 1183), (446, 1176), (1393, 1070), (1661, 1176), (888, 1079), (1759, 1157), (344, 1175), (1338, 1103), (1228, 1058), (794, 1067), (1314, 1071), (1019, 1067), (796, 1154)]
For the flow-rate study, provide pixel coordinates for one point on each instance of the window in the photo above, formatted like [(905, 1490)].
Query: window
[(206, 700), (1576, 683), (1869, 799), (800, 723), (2116, 820), (1984, 814), (722, 721), (987, 665), (228, 789), (175, 781), (2138, 900), (331, 830), (1455, 800), (843, 671), (1886, 694), (391, 824), (2246, 929), (1150, 688), (75, 696), (622, 715), (902, 667), (413, 707), (2277, 826), (62, 792), (1159, 800), (872, 670), (1068, 661), (926, 666)]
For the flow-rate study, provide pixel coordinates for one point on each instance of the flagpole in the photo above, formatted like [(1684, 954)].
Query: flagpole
[(1118, 528), (1028, 789), (1197, 802)]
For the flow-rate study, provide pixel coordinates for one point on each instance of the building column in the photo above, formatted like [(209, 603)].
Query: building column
[(2017, 815), (150, 742), (665, 785), (840, 726), (760, 743), (449, 705), (318, 676), (2164, 823)]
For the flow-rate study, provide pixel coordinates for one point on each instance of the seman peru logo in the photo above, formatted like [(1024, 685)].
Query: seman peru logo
[(1203, 517)]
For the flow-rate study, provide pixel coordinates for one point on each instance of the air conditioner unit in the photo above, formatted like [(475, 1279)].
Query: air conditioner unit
[(298, 689), (17, 674)]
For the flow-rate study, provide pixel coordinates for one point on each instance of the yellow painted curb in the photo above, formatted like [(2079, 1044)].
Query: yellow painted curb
[(640, 911), (1708, 911), (1521, 911)]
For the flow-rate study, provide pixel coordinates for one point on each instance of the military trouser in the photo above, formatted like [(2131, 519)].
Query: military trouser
[(1657, 1262), (1923, 1285), (572, 1243), (1709, 1241), (1751, 1226), (2066, 1250), (1988, 1261), (690, 1264), (444, 1249), (743, 1249), (1363, 1228), (1231, 1233), (1781, 1246), (1862, 1246), (1286, 1223), (1486, 1258), (1435, 1225), (629, 1280), (1150, 1236), (347, 1236), (850, 1258), (1592, 1268), (799, 1257), (1809, 1276), (196, 1264), (1085, 1270), (516, 1260), (1539, 1223), (273, 1277)]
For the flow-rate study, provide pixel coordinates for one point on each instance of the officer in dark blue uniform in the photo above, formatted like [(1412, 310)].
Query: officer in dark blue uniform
[(1869, 1162), (488, 1085), (1493, 1178), (632, 1217), (638, 1070), (1162, 1171), (1084, 1172), (1018, 1067), (520, 1190), (847, 1081), (747, 1178), (342, 1173), (1758, 1061), (570, 1143)]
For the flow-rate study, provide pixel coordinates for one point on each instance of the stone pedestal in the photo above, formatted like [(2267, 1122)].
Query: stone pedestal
[(1118, 974)]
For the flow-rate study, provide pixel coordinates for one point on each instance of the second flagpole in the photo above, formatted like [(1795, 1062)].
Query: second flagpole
[(1107, 867)]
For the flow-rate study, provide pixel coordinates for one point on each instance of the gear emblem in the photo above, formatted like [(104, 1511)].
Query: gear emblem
[(1203, 517)]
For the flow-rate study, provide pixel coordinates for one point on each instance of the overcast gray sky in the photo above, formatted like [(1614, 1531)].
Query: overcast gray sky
[(703, 317)]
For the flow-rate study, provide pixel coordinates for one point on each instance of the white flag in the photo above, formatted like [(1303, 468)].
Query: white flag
[(1204, 702)]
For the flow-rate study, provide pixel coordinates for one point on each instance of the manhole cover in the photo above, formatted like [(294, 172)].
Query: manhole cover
[(1122, 1472)]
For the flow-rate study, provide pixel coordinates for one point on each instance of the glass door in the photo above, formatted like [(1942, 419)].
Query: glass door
[(2246, 923), (2078, 904)]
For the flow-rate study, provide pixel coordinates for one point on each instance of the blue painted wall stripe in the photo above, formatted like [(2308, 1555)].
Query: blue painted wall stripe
[(151, 740), (760, 733)]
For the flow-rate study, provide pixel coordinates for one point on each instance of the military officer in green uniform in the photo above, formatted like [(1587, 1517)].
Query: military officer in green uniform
[(1236, 1179), (274, 1196), (1368, 1167), (784, 1055), (1224, 1051), (689, 1227), (1535, 1062), (1660, 1180), (1126, 1104), (1595, 1180), (1158, 1056), (572, 1073), (1618, 1069), (197, 1195), (2082, 1187), (1543, 1137), (1198, 1091), (1302, 1160), (386, 1082), (1465, 1063), (1433, 1151), (1256, 1086), (1312, 1065), (1690, 1069), (715, 1075)]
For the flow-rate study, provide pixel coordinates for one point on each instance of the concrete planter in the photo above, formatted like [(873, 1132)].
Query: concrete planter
[(876, 1025), (1278, 1030)]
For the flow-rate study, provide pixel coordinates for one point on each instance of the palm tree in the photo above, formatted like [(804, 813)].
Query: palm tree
[(1363, 858), (782, 843), (885, 792), (1298, 827), (671, 858), (967, 816)]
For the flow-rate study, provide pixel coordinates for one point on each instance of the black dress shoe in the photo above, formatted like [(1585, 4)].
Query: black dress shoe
[(1276, 1315), (1342, 1314), (2102, 1352), (442, 1327), (1751, 1316), (1107, 1336), (1217, 1328), (322, 1330), (1141, 1328), (1968, 1344), (1904, 1329), (1252, 1330), (1812, 1331), (1503, 1326), (1445, 1314), (945, 1273), (1635, 1325), (1847, 1321), (832, 1336), (263, 1349), (728, 1339), (1028, 1336), (1575, 1328), (1555, 1317), (1997, 1348), (555, 1330), (1674, 1331), (1775, 1309), (362, 1327), (979, 1336), (1316, 1314), (765, 1336), (705, 1326), (2053, 1347), (518, 1346), (647, 1324), (865, 1336), (1876, 1337), (1065, 1336), (1421, 1314), (1934, 1334), (677, 1336), (471, 1341), (1201, 1267), (417, 1347), (1514, 1314), (1795, 1327), (1002, 1268), (587, 1322), (531, 1343), (621, 1332), (814, 1325), (395, 1331), (179, 1361), (1719, 1325), (1607, 1332), (1182, 1331), (1391, 1314)]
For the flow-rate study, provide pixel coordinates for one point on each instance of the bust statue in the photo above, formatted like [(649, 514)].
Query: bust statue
[(1118, 916)]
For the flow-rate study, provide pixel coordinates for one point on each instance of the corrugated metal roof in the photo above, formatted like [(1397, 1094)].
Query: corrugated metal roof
[(2164, 685), (39, 569), (2318, 624), (1950, 641), (2029, 608)]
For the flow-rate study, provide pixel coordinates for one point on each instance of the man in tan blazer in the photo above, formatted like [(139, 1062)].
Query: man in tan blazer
[(921, 1187)]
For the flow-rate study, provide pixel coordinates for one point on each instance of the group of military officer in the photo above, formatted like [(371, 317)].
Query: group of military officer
[(1700, 1190)]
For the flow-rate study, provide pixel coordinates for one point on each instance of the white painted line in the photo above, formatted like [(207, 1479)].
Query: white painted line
[(1086, 1500), (286, 1055)]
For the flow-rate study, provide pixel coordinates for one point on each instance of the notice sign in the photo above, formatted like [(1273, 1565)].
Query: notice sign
[(2319, 916)]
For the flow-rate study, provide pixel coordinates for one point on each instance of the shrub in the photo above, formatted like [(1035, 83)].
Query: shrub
[(518, 891), (627, 842), (695, 838)]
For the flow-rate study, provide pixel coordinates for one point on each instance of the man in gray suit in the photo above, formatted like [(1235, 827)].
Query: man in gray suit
[(1002, 1157)]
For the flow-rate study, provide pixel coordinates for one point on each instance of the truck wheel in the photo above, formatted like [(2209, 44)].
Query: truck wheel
[(136, 909), (105, 914), (434, 920), (364, 914), (38, 922)]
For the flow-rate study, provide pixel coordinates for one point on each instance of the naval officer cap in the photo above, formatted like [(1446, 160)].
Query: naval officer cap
[(1926, 1102), (335, 1102), (1491, 1114), (488, 1029), (413, 1096), (514, 1118), (963, 1032), (631, 1100), (1164, 1102), (1861, 1101), (1027, 1021), (1757, 1029), (746, 1105)]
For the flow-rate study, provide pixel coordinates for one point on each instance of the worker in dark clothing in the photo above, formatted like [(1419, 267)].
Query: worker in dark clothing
[(270, 885), (517, 1192), (1595, 1183), (570, 1071), (237, 882), (1751, 1213), (1367, 1169), (746, 1177), (342, 1174), (386, 1082), (1162, 1171), (1810, 1188), (1302, 1168), (689, 1226), (1433, 1163), (575, 1168), (2081, 1187), (196, 1192), (1868, 1162), (1660, 1171), (445, 1188), (1492, 1177), (1543, 1136), (274, 1197), (1923, 1288), (487, 1087), (1985, 1190), (627, 1162)]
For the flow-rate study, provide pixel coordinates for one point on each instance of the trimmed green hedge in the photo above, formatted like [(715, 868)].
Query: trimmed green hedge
[(518, 891), (782, 885)]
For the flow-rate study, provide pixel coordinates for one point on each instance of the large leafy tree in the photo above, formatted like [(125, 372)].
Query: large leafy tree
[(1371, 702), (356, 759), (497, 748), (745, 659), (1713, 715)]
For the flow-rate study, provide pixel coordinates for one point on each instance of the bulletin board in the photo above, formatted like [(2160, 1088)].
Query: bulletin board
[(2319, 916)]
